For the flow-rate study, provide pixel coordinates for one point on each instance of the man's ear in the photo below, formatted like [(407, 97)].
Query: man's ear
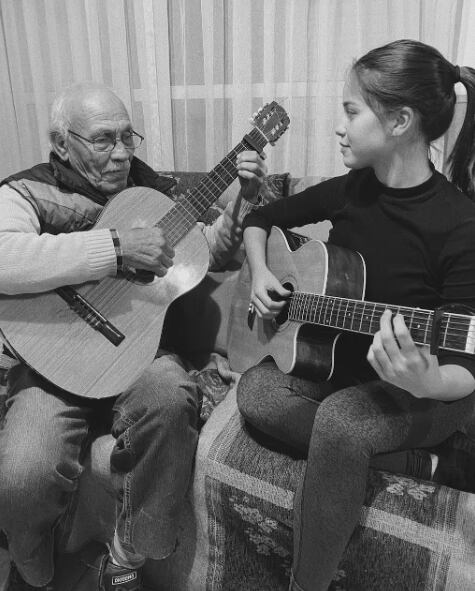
[(402, 120), (59, 146)]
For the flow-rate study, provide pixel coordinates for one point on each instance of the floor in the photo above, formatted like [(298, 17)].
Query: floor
[(4, 569)]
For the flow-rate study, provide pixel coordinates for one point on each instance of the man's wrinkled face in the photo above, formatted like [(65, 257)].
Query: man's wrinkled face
[(96, 115)]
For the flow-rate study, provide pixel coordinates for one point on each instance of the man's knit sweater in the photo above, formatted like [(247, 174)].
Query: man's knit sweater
[(35, 261)]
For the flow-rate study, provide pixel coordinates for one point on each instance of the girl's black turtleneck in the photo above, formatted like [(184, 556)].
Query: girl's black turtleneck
[(418, 243)]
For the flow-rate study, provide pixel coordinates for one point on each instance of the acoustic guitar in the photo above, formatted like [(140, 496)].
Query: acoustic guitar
[(327, 284), (95, 339)]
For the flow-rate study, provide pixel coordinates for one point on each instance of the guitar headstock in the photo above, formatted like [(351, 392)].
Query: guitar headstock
[(272, 120)]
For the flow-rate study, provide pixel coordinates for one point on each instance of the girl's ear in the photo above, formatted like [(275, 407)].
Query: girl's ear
[(402, 120)]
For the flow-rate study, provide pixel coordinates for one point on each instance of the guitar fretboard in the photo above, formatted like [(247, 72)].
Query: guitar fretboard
[(358, 316), (179, 220)]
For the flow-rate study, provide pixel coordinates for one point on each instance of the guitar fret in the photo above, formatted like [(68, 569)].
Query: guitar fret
[(338, 309), (457, 339), (319, 298), (214, 179), (364, 317), (410, 325), (428, 324), (178, 221), (227, 172), (418, 328), (294, 306), (444, 338), (308, 308), (361, 320), (346, 316), (373, 321), (332, 304), (303, 307), (325, 314)]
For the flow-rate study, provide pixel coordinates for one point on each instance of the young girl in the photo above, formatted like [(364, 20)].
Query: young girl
[(416, 233)]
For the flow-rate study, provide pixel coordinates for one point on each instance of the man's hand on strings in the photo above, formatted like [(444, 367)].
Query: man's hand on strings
[(252, 171)]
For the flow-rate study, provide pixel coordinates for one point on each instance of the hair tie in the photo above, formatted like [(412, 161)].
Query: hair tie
[(456, 74)]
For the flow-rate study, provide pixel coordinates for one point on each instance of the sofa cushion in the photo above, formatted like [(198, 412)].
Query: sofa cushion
[(412, 534)]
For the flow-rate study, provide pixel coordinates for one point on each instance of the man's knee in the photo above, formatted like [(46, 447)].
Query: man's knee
[(29, 480), (164, 391)]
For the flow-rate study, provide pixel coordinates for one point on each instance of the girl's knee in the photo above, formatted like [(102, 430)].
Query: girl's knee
[(338, 431), (247, 393)]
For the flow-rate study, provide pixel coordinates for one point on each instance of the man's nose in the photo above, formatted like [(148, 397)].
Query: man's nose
[(120, 152)]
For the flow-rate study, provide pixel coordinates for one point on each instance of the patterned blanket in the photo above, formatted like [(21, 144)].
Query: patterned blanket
[(413, 535)]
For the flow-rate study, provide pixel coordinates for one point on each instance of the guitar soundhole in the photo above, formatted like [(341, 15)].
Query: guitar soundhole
[(283, 315), (138, 276)]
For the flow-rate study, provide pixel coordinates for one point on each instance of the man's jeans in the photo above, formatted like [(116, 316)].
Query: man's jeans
[(42, 444)]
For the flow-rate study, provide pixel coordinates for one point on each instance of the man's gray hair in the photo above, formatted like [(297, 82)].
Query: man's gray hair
[(60, 116)]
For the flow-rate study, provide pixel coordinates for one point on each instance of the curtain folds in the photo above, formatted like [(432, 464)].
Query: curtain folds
[(192, 72)]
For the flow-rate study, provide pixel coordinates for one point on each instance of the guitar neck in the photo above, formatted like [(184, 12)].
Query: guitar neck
[(188, 210), (362, 317)]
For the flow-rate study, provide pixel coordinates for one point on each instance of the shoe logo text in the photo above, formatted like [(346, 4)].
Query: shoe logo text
[(120, 579)]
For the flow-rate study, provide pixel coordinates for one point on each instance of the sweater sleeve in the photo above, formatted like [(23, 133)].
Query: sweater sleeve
[(31, 262), (313, 205), (224, 236)]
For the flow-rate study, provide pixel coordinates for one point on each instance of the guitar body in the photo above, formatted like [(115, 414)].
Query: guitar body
[(62, 347), (302, 349), (96, 339)]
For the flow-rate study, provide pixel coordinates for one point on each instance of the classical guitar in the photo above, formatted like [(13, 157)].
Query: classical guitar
[(95, 339), (323, 303)]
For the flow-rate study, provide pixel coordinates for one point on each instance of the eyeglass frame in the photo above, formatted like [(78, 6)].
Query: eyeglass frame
[(93, 142)]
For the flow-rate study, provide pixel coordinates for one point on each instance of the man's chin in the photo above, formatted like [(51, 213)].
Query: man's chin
[(110, 187)]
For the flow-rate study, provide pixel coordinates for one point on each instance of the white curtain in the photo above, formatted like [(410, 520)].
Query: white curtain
[(191, 72)]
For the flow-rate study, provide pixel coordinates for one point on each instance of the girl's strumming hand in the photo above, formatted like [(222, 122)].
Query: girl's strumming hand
[(267, 294)]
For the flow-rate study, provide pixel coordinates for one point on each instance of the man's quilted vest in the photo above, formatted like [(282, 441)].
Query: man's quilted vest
[(66, 202)]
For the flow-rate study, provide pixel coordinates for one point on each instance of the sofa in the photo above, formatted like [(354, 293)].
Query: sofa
[(236, 526)]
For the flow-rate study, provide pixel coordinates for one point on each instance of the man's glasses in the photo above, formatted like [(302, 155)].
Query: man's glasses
[(106, 143)]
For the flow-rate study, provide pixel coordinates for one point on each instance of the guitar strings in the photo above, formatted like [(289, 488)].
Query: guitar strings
[(363, 314), (182, 216), (173, 223), (453, 325), (307, 300)]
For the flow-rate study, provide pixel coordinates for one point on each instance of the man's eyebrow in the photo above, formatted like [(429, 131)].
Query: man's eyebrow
[(108, 131), (348, 103)]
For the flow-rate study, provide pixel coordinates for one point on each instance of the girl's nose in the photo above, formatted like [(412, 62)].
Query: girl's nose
[(340, 129)]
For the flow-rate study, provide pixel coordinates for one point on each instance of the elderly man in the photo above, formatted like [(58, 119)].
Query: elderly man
[(47, 241)]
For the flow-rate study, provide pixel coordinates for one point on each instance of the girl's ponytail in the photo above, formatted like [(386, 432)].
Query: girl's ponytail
[(462, 157)]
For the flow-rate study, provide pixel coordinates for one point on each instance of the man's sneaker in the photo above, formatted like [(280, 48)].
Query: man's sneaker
[(92, 570), (119, 578)]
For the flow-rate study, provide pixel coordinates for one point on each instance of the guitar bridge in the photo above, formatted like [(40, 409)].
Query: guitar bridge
[(89, 314)]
